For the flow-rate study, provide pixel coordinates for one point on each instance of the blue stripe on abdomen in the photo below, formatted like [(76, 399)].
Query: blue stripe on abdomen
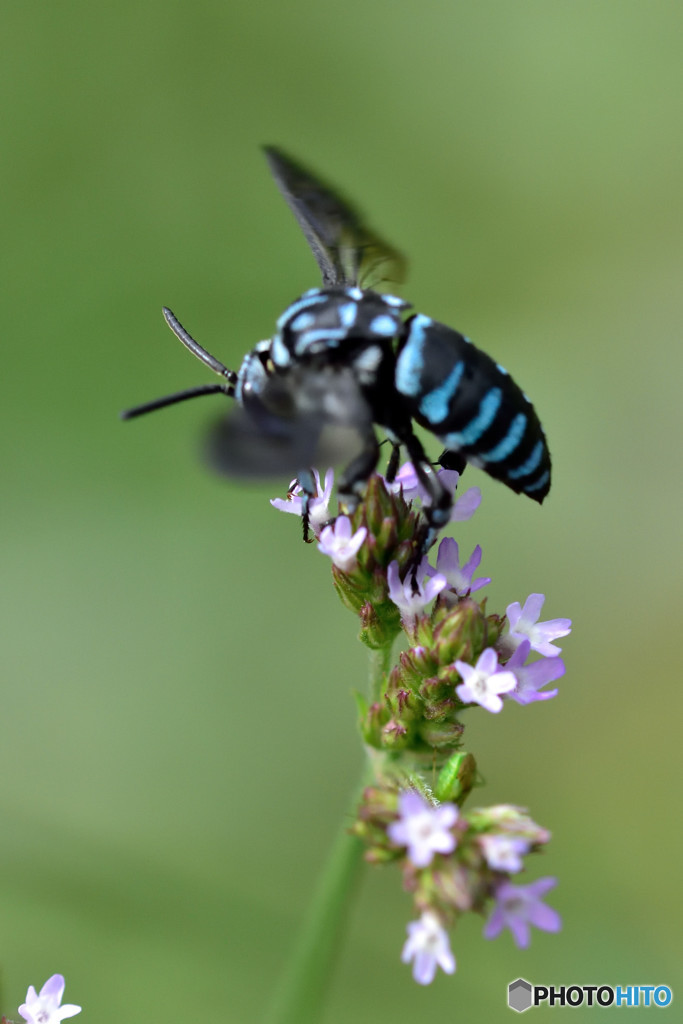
[(510, 441), (537, 485), (488, 408), (532, 463), (434, 405)]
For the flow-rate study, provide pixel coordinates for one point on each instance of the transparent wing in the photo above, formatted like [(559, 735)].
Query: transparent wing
[(345, 249), (316, 419)]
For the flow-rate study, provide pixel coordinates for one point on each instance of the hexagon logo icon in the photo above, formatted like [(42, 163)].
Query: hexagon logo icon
[(519, 995)]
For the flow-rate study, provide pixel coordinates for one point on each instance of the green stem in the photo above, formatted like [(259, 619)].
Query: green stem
[(380, 663), (299, 996)]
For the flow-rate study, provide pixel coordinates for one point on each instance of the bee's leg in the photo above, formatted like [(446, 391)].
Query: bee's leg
[(438, 512), (306, 482), (356, 475), (392, 467)]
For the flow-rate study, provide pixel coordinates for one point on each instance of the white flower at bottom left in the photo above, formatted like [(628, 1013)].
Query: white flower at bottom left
[(45, 1008)]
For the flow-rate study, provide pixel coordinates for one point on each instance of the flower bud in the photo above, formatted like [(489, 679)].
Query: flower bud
[(510, 820), (456, 778), (395, 735), (379, 626), (440, 734), (460, 633)]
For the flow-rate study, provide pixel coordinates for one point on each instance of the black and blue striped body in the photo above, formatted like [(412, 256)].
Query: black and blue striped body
[(343, 356), (333, 324), (472, 405), (419, 370)]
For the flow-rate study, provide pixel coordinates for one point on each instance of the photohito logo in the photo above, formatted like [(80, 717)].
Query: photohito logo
[(522, 995)]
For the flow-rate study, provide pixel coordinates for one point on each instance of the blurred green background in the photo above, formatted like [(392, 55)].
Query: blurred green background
[(177, 726)]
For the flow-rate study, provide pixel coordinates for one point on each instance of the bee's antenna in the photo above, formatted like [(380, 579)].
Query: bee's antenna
[(179, 396), (197, 350), (230, 377)]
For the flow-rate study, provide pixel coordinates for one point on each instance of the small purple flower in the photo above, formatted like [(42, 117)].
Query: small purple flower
[(428, 946), (530, 678), (423, 828), (504, 853), (459, 578), (337, 542), (318, 507), (45, 1008), (466, 505), (483, 683), (524, 624), (518, 906), (463, 508), (406, 481), (411, 603)]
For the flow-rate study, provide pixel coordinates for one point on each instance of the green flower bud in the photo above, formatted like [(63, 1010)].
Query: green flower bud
[(379, 624), (441, 734), (372, 718), (460, 633), (417, 664), (508, 819), (451, 885), (395, 735), (456, 778)]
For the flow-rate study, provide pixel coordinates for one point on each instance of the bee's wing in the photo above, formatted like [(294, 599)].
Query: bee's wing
[(345, 249), (309, 418)]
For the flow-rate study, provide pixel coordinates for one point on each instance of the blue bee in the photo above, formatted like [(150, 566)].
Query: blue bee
[(346, 358)]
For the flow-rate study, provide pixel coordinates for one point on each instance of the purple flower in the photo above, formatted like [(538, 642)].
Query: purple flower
[(428, 946), (504, 853), (459, 579), (524, 624), (463, 508), (483, 683), (318, 506), (337, 542), (406, 481), (409, 602), (530, 678), (518, 906), (423, 828), (45, 1008)]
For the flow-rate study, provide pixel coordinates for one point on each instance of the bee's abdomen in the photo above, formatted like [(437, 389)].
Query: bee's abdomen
[(472, 405)]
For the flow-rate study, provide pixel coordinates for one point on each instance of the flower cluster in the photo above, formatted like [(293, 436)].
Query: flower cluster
[(459, 656), (454, 862)]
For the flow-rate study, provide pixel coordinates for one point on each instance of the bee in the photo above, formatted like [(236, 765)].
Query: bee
[(345, 359)]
